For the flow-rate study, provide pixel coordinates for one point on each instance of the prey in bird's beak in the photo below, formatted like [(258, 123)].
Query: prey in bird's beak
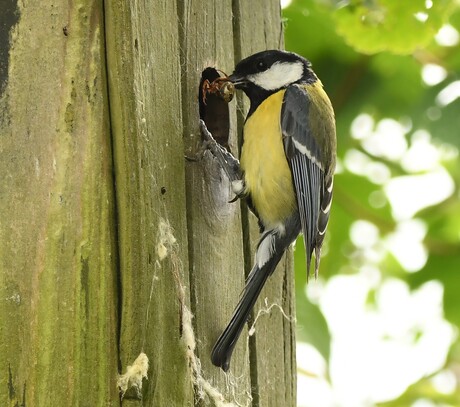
[(222, 86)]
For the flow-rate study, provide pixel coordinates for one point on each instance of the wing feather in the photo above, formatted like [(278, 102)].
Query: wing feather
[(312, 185)]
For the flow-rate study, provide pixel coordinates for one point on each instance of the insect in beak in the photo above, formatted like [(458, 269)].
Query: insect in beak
[(221, 86)]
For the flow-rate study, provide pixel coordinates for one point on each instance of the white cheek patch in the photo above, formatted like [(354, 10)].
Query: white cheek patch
[(279, 75)]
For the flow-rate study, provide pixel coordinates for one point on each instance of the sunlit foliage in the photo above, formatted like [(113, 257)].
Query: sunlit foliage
[(382, 321)]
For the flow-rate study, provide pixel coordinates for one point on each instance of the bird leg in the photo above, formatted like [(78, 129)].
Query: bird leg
[(226, 160)]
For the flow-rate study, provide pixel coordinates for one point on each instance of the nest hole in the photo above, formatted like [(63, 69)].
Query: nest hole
[(215, 112)]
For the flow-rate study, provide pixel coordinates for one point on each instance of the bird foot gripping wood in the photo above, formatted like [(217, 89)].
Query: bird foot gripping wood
[(226, 160)]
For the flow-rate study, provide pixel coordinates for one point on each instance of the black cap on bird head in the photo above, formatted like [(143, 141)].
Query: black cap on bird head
[(267, 72), (271, 70)]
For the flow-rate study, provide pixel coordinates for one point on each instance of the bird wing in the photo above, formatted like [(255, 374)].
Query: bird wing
[(312, 184)]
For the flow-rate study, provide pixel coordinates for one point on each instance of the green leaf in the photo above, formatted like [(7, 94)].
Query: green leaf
[(397, 26), (444, 268), (370, 56)]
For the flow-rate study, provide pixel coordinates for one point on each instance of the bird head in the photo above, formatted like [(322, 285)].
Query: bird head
[(269, 71)]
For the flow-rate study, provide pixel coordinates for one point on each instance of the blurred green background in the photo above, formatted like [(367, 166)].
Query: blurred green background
[(380, 325)]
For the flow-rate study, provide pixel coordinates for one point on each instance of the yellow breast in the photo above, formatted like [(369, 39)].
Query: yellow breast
[(266, 171)]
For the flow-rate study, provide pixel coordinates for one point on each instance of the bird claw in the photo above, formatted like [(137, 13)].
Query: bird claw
[(227, 161)]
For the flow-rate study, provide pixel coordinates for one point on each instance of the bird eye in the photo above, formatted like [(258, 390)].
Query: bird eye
[(261, 66)]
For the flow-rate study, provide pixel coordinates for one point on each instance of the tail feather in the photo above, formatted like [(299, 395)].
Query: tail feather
[(223, 349), (270, 249)]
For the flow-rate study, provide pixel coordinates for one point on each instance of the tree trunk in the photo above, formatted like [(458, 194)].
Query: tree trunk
[(112, 244), (58, 255)]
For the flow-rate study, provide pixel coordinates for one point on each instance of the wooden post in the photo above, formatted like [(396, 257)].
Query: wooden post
[(58, 252), (145, 106), (272, 347), (111, 243)]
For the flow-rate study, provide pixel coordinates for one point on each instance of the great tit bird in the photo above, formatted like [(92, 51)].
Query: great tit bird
[(286, 169)]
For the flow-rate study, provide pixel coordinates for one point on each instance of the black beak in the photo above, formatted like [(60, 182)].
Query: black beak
[(240, 82)]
